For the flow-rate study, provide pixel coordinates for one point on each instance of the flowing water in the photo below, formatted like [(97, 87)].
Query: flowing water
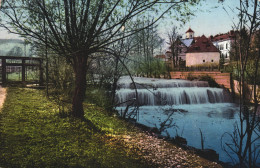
[(187, 106)]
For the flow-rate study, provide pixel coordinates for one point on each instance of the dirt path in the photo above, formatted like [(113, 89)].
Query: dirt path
[(2, 96), (164, 154)]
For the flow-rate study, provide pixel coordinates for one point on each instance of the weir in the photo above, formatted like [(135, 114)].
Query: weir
[(153, 92), (184, 108)]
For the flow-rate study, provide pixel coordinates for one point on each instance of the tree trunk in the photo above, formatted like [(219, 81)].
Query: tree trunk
[(116, 77), (80, 86)]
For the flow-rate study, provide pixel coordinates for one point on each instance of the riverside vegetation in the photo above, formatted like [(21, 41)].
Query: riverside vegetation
[(34, 134)]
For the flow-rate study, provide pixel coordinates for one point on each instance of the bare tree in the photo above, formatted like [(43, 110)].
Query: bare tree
[(173, 42), (243, 141), (78, 29), (148, 41)]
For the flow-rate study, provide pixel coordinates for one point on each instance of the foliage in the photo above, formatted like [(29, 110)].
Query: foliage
[(240, 43), (60, 83), (191, 77), (147, 43), (33, 135), (234, 68), (174, 42), (155, 68), (76, 30), (221, 61), (210, 80), (247, 56), (31, 75), (99, 96)]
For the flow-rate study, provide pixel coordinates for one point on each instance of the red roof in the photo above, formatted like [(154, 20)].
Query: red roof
[(196, 38), (189, 30), (219, 37), (202, 44)]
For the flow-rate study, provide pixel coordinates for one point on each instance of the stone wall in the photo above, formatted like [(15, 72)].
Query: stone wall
[(222, 79)]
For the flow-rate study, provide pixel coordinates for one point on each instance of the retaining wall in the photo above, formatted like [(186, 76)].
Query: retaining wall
[(223, 79)]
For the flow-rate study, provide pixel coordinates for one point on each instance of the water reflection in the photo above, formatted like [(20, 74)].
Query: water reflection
[(226, 114), (212, 119)]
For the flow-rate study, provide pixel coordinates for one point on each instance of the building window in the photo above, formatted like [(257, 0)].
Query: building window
[(203, 60), (226, 55), (212, 60), (221, 47), (226, 45)]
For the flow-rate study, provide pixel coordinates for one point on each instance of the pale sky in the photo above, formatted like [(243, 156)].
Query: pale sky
[(214, 19), (209, 19)]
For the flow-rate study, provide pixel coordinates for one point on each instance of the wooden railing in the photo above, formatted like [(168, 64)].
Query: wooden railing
[(21, 62)]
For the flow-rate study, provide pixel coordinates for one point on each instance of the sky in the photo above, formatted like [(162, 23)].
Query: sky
[(210, 19)]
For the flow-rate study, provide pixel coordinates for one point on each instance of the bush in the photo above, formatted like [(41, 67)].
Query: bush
[(191, 77), (210, 80)]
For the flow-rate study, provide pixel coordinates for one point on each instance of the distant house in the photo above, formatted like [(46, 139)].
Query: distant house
[(202, 53), (224, 43), (182, 46)]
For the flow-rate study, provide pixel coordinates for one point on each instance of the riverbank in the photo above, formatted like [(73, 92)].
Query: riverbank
[(33, 134)]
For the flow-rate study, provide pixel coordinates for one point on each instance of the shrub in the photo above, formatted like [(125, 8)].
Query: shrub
[(210, 80), (191, 77)]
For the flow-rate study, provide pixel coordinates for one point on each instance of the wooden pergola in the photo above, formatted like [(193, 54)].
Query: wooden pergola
[(21, 62)]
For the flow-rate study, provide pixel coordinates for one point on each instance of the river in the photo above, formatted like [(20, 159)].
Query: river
[(190, 109)]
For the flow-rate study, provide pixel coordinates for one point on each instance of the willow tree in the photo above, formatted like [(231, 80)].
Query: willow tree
[(76, 29)]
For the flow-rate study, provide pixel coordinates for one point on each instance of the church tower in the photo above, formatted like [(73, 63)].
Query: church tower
[(189, 34)]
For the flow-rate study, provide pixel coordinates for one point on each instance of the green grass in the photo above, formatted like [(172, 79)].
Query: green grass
[(32, 134), (17, 76)]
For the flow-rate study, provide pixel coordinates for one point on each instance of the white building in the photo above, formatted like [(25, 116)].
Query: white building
[(224, 43)]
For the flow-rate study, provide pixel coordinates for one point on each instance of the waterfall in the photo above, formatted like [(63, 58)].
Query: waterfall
[(154, 92)]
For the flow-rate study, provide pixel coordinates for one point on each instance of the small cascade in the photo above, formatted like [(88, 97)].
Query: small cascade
[(151, 83), (153, 92)]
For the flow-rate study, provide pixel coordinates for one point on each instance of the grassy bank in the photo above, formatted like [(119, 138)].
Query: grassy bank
[(32, 134)]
